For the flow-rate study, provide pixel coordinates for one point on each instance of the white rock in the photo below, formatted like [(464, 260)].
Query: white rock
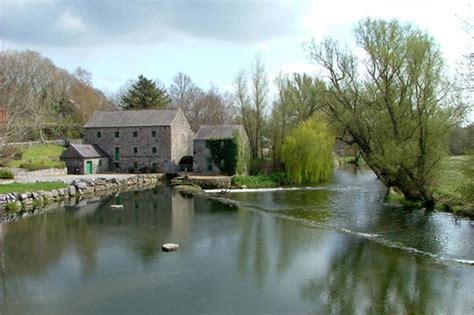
[(116, 207), (169, 247)]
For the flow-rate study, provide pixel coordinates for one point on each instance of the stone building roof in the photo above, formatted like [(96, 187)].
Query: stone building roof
[(83, 151), (132, 118), (217, 132)]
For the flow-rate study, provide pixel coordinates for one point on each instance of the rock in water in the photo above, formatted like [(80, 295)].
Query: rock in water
[(116, 207), (169, 247)]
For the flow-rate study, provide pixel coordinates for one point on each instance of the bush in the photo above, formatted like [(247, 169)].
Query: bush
[(6, 174), (12, 207), (259, 181)]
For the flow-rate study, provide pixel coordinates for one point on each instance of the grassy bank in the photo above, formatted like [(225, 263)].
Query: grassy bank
[(24, 187), (38, 157), (454, 187), (455, 184)]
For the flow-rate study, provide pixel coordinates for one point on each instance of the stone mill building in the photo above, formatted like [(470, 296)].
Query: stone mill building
[(139, 140)]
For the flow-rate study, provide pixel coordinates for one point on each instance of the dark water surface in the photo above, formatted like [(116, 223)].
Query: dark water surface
[(335, 248)]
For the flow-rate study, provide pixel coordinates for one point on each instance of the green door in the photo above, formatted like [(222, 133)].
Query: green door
[(89, 167), (117, 154)]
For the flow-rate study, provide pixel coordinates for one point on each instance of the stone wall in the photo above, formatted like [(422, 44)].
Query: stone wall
[(84, 188), (62, 142), (19, 172), (144, 142), (200, 153), (211, 182), (182, 138)]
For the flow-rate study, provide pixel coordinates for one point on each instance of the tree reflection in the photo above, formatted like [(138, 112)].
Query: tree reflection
[(364, 277)]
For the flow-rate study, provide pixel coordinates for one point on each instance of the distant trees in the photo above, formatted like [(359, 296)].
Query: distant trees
[(200, 107), (250, 95), (44, 101), (461, 140), (299, 97), (307, 151), (395, 111), (145, 94)]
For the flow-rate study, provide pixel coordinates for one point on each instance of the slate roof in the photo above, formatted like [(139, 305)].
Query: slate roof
[(217, 132), (83, 151), (132, 118)]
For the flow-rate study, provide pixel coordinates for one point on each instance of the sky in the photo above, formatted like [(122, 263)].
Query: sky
[(208, 40)]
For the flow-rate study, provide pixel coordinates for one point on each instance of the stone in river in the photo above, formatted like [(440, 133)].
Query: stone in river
[(116, 207), (169, 247)]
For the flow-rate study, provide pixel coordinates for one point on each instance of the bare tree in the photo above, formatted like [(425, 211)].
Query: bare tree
[(259, 91), (245, 111)]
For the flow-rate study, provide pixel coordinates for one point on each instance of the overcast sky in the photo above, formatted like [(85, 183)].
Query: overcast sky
[(208, 40)]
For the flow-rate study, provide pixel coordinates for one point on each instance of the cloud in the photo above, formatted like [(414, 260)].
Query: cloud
[(71, 23)]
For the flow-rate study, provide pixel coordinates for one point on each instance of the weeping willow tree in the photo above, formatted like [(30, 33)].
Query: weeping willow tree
[(307, 151)]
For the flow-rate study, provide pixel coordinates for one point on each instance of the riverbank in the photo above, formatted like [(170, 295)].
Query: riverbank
[(13, 205)]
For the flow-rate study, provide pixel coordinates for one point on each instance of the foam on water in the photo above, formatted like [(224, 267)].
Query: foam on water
[(251, 190), (378, 238)]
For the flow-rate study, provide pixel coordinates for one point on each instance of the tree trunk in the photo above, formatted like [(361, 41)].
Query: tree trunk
[(405, 181)]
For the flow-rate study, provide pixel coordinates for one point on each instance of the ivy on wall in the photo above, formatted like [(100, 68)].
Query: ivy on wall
[(230, 156)]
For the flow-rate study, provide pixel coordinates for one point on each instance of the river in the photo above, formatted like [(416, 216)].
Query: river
[(336, 248)]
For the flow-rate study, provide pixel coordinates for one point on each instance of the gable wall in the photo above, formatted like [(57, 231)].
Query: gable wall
[(182, 138)]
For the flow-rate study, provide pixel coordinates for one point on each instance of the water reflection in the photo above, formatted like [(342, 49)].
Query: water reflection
[(90, 258)]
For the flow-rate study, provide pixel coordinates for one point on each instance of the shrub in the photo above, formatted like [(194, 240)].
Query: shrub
[(6, 174), (259, 181), (12, 207)]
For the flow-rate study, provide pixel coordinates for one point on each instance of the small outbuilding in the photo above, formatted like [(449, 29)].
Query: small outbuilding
[(85, 159), (222, 149)]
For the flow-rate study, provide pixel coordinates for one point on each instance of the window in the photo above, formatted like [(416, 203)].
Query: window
[(117, 154), (100, 163), (117, 134), (99, 134), (153, 150), (153, 133), (135, 150), (135, 134)]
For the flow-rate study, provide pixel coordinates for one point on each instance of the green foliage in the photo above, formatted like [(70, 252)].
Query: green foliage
[(461, 140), (230, 156), (307, 151), (259, 181), (12, 207), (224, 154), (145, 94), (6, 174), (394, 102), (24, 187), (243, 156)]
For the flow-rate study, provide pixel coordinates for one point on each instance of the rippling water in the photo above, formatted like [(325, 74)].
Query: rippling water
[(335, 248)]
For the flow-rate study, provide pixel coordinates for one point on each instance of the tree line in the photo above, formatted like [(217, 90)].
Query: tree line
[(392, 103)]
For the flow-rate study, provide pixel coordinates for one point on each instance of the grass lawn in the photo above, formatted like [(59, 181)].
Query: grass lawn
[(451, 179), (20, 187), (39, 157)]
